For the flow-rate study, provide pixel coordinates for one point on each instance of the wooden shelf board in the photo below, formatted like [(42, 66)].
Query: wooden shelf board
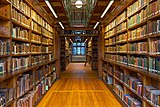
[(143, 22), (1, 56), (20, 25), (131, 53), (138, 39), (37, 43), (20, 55), (36, 32), (156, 16), (154, 35), (121, 42), (3, 36), (121, 31), (20, 40)]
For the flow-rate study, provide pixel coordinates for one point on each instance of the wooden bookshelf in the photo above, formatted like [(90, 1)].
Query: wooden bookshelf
[(27, 59), (133, 53)]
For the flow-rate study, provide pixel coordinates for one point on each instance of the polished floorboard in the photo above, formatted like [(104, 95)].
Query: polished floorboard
[(79, 86)]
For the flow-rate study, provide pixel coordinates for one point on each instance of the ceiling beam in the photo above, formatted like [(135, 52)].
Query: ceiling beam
[(53, 3), (102, 3)]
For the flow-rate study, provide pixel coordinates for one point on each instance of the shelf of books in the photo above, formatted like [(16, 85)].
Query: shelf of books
[(27, 64), (131, 63), (68, 51), (89, 51)]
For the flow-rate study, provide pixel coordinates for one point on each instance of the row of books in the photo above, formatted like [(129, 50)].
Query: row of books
[(140, 47), (121, 26), (23, 84), (135, 6), (110, 49), (46, 49), (3, 66), (45, 58), (4, 29), (20, 48), (5, 47), (118, 90), (154, 46), (6, 96), (152, 94), (139, 17), (110, 33), (154, 65), (138, 61), (27, 100), (154, 27), (110, 56), (121, 37), (47, 33), (121, 17), (36, 59), (35, 48), (36, 27), (134, 84), (131, 101), (138, 32), (110, 41), (47, 41), (21, 5), (36, 17), (5, 11), (122, 48), (153, 8), (18, 32), (19, 63), (35, 38), (110, 25), (19, 17), (122, 59), (39, 74)]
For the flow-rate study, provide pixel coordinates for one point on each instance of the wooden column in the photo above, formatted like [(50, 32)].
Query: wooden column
[(100, 50), (57, 51)]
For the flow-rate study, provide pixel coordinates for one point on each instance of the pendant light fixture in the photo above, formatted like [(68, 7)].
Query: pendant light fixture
[(78, 3)]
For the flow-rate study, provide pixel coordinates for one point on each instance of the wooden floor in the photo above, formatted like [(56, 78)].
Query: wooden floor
[(79, 87)]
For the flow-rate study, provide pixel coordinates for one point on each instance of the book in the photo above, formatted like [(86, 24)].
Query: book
[(36, 59), (6, 95), (19, 63), (20, 48)]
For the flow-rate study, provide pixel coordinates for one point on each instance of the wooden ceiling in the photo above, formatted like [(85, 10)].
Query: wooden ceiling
[(100, 6)]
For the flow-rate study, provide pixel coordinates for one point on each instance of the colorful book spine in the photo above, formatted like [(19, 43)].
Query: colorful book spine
[(18, 32), (20, 48), (131, 101), (137, 33), (122, 59), (154, 27), (6, 96), (122, 48), (121, 37), (139, 62), (140, 47), (35, 38), (118, 90), (19, 63), (20, 18), (4, 47), (154, 65)]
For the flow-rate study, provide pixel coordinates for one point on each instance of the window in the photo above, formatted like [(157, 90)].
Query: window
[(78, 48)]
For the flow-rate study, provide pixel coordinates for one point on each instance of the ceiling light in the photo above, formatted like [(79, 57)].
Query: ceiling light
[(50, 7), (96, 25), (61, 25), (107, 8), (78, 3)]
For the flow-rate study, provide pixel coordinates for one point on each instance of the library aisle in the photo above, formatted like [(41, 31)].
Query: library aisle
[(79, 87)]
